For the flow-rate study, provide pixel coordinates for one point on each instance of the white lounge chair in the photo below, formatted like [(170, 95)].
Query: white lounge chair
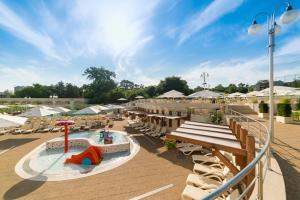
[(190, 149), (157, 129), (161, 132), (183, 144), (206, 170), (147, 128)]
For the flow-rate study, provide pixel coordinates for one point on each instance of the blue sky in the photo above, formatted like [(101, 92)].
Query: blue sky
[(141, 40)]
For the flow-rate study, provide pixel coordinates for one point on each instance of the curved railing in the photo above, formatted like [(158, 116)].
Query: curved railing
[(261, 161)]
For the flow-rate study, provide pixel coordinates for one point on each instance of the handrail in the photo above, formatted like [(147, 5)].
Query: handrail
[(244, 172)]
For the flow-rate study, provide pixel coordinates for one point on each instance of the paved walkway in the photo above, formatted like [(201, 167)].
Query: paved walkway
[(286, 149), (151, 170)]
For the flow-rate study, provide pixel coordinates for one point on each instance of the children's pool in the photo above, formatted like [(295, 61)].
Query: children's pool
[(95, 136), (43, 164)]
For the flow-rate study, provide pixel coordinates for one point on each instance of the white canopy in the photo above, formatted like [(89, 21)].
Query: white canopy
[(139, 97), (281, 91), (3, 106), (236, 94), (113, 107), (92, 110), (61, 109), (205, 94), (39, 112), (8, 121), (253, 94), (172, 94)]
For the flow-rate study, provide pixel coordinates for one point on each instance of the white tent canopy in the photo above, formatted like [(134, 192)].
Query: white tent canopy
[(39, 112), (205, 94), (172, 94), (61, 109), (114, 107), (236, 94), (9, 121), (92, 110), (281, 91), (3, 106)]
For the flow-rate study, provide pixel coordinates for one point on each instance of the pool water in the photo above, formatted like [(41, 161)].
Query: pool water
[(95, 136), (49, 161)]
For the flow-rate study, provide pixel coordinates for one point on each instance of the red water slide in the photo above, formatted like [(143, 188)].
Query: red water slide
[(92, 153)]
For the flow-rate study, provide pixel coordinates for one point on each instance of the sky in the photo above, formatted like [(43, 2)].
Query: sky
[(142, 41)]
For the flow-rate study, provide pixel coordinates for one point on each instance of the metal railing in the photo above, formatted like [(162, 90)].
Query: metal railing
[(261, 162)]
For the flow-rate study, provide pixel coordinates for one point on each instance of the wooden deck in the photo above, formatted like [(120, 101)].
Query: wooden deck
[(152, 168)]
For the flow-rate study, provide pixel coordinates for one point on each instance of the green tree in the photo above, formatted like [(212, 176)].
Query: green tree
[(150, 91), (173, 83), (231, 88), (243, 88), (126, 84), (102, 83), (219, 88)]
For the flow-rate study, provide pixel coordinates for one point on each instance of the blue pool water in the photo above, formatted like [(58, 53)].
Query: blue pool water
[(95, 136)]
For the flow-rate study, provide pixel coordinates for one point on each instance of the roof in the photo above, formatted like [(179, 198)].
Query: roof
[(236, 94), (281, 91), (172, 94), (61, 109), (205, 94), (92, 110)]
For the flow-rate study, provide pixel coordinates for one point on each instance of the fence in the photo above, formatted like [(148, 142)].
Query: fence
[(261, 162)]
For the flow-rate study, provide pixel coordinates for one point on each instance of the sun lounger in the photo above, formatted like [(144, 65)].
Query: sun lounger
[(3, 132), (183, 144), (160, 133), (195, 193), (156, 130), (206, 170), (189, 150), (147, 129), (56, 129), (28, 131), (145, 125), (202, 181), (44, 130), (87, 128)]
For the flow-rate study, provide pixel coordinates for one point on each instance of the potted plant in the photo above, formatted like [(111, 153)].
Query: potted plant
[(170, 144), (284, 111), (263, 110)]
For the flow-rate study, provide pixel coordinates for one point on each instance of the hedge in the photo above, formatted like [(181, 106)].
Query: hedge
[(284, 109), (263, 108)]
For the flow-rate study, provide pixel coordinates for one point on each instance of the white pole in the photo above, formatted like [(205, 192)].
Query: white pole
[(271, 94)]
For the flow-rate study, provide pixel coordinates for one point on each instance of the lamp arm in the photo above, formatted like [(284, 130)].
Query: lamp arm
[(278, 6)]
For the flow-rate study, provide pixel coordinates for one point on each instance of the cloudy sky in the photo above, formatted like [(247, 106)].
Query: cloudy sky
[(141, 40)]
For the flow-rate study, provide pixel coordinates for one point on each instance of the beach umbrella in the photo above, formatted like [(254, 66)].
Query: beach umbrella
[(9, 121), (122, 99), (65, 124), (173, 94), (139, 97), (206, 94)]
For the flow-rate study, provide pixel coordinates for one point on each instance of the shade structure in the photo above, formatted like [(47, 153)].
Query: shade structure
[(281, 91), (139, 97), (236, 94), (92, 110), (10, 121), (39, 112), (113, 107), (3, 106), (207, 94), (253, 94), (61, 109), (173, 94)]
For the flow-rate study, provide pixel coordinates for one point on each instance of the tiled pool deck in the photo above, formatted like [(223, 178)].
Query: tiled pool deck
[(153, 167)]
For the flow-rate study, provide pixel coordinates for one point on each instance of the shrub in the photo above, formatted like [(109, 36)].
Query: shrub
[(296, 116), (170, 144), (285, 101), (216, 118), (298, 104), (263, 107), (284, 109)]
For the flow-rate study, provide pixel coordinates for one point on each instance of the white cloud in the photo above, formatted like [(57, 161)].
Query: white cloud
[(209, 15), (286, 61), (17, 26)]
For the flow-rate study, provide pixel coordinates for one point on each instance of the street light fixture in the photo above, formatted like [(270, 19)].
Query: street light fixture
[(287, 17)]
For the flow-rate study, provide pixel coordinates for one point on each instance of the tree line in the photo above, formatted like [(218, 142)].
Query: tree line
[(104, 89)]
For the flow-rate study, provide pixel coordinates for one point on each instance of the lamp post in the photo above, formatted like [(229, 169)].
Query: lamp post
[(287, 17)]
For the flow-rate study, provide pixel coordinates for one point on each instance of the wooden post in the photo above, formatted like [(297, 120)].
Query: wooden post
[(243, 137), (238, 131), (233, 127), (231, 167), (250, 147), (230, 123)]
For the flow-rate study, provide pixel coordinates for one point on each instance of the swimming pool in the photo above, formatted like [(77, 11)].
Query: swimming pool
[(43, 164), (95, 136)]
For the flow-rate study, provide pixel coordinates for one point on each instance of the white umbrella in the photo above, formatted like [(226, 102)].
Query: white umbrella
[(236, 94), (139, 97), (122, 99), (92, 110), (39, 112), (205, 94), (8, 121), (172, 94)]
